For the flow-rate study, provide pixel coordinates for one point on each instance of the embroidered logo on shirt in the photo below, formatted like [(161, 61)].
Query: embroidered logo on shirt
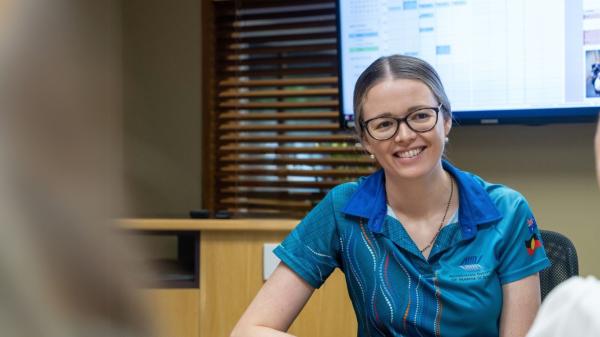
[(532, 244), (532, 225), (471, 263)]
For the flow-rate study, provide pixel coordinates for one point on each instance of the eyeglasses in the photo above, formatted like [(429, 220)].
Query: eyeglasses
[(384, 128)]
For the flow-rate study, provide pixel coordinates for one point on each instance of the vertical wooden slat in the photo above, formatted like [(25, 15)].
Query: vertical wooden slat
[(209, 120)]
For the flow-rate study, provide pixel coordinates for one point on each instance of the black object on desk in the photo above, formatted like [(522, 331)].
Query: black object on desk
[(199, 214)]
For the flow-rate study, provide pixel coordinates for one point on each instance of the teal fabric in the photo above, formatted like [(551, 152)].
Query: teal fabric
[(395, 291)]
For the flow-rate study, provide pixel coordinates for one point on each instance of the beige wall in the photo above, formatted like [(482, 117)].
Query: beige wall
[(162, 121), (552, 165)]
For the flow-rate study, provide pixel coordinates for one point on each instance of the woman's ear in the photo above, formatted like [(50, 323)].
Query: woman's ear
[(447, 125), (364, 143)]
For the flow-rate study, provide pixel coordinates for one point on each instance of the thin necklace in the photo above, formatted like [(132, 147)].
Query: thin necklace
[(443, 218)]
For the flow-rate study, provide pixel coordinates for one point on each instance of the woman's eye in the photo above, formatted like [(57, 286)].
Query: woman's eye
[(420, 116), (383, 124)]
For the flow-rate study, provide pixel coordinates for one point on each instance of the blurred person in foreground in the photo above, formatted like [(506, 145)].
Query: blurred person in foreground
[(62, 263), (573, 307)]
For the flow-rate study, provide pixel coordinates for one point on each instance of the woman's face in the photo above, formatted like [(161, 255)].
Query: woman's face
[(408, 154)]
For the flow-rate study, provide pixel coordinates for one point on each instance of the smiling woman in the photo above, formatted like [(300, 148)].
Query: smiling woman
[(426, 249)]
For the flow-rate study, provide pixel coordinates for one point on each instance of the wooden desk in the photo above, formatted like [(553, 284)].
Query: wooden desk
[(230, 271)]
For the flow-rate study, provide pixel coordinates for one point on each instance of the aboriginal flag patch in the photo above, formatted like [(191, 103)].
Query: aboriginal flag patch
[(532, 244)]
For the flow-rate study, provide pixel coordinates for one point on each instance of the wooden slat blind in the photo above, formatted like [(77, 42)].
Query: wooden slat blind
[(276, 146)]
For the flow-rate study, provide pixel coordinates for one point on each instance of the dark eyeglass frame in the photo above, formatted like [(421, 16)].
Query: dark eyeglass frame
[(399, 121)]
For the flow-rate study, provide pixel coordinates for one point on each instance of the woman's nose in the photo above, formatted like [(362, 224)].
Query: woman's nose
[(404, 134)]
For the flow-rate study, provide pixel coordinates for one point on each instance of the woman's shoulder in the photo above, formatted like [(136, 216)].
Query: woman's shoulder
[(342, 193), (498, 193), (512, 206), (477, 187)]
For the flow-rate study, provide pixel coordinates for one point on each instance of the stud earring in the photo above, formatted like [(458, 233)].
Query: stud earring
[(372, 156), (446, 140)]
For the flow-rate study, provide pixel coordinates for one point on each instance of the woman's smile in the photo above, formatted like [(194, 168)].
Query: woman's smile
[(411, 153)]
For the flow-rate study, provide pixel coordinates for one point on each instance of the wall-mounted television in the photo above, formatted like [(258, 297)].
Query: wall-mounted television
[(501, 61)]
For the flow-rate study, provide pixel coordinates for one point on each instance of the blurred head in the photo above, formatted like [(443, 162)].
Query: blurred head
[(63, 268)]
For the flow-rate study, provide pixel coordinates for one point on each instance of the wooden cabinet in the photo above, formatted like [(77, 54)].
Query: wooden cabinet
[(230, 274)]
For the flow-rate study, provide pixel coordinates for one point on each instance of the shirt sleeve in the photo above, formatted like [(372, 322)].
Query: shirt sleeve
[(311, 249), (521, 252)]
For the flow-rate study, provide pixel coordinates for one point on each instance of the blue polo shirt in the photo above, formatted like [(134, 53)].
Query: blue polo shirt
[(394, 290)]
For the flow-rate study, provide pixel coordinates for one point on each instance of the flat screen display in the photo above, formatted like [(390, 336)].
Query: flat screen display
[(501, 61)]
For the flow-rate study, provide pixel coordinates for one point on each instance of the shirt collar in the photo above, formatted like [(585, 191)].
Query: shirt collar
[(476, 207)]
